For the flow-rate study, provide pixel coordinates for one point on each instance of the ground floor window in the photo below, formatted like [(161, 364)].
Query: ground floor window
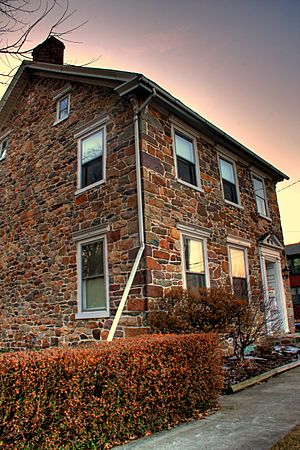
[(237, 259), (92, 277), (195, 272)]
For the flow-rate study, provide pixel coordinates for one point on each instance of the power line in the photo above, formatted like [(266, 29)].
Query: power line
[(292, 184)]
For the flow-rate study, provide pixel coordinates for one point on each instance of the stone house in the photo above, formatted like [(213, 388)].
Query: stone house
[(112, 190)]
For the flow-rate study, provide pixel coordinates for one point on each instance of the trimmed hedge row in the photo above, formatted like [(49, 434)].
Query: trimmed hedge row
[(100, 396)]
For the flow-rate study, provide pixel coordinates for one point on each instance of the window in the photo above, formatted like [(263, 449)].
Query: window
[(185, 158), (295, 291), (229, 181), (195, 272), (294, 265), (3, 148), (91, 158), (63, 108), (92, 278), (237, 257), (260, 196)]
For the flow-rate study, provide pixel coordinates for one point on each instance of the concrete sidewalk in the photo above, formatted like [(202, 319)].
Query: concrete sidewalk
[(253, 419)]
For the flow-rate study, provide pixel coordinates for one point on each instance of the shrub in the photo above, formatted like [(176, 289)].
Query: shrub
[(100, 396), (252, 321), (194, 311)]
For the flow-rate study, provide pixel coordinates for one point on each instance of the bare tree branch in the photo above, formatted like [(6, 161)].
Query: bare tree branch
[(16, 27)]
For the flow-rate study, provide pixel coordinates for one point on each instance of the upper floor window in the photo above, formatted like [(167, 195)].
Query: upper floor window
[(239, 276), (260, 195), (186, 160), (91, 158), (195, 267), (3, 148), (229, 181), (63, 108)]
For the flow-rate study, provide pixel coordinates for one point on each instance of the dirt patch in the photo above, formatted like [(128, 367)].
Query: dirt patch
[(236, 371)]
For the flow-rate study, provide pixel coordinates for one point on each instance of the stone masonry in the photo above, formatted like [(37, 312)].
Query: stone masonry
[(40, 212)]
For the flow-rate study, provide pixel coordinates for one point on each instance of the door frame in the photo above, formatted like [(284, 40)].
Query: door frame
[(273, 255)]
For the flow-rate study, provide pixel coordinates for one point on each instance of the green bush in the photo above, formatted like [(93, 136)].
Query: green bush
[(100, 396)]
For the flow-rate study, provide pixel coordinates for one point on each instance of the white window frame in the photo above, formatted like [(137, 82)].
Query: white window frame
[(64, 93), (193, 138), (196, 236), (232, 243), (4, 138), (3, 153), (61, 119), (267, 215), (99, 126), (232, 162), (82, 314)]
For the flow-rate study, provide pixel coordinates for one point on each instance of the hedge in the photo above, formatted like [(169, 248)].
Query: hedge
[(104, 395)]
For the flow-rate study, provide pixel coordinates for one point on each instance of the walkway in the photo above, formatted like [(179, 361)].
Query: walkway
[(253, 419)]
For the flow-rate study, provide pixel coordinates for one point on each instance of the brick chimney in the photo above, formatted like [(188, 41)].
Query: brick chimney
[(50, 51)]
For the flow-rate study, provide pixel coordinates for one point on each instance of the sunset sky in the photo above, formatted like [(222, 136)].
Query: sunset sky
[(235, 62)]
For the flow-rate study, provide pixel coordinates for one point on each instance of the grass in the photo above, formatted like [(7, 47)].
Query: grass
[(290, 441)]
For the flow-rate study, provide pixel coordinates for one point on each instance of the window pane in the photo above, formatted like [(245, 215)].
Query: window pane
[(194, 256), (186, 171), (237, 259), (258, 187), (227, 171), (63, 108), (3, 146), (261, 206), (230, 193), (94, 293), (92, 259), (91, 172), (92, 147), (195, 280), (259, 196), (240, 288), (184, 148)]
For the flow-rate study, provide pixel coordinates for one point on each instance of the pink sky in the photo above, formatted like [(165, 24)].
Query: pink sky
[(235, 62)]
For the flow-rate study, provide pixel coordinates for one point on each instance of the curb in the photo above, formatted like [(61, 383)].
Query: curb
[(264, 376)]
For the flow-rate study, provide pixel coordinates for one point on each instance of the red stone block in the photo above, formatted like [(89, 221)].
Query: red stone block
[(137, 304), (133, 331)]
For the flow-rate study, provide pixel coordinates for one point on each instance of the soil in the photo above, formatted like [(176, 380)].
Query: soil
[(236, 371)]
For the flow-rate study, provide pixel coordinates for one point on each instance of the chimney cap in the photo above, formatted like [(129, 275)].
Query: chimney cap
[(49, 51)]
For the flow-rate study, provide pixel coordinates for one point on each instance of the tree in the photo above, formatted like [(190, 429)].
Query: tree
[(16, 26)]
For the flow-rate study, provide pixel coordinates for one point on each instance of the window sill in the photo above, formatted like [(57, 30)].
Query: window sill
[(228, 202), (90, 186), (264, 217), (192, 186), (60, 120), (92, 315)]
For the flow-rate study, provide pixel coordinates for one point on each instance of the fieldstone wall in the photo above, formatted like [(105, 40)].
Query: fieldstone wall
[(169, 202), (39, 212)]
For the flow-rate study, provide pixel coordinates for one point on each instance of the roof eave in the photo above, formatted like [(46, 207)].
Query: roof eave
[(194, 119)]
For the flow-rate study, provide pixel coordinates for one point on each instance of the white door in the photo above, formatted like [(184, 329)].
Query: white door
[(272, 308)]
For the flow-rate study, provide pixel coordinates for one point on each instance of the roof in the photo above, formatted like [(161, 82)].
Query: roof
[(128, 83), (292, 249)]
